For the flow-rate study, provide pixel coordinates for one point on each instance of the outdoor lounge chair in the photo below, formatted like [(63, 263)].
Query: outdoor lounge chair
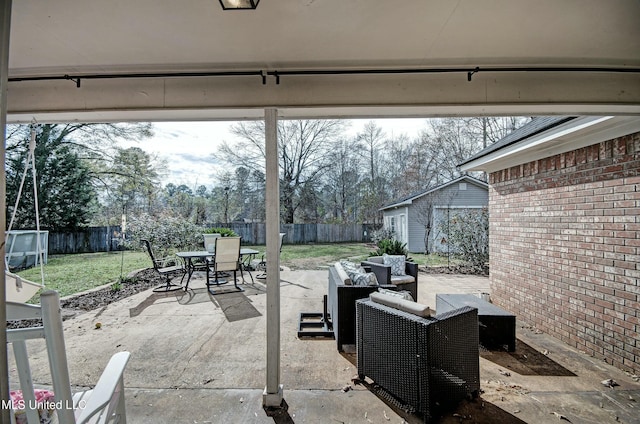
[(162, 267), (226, 259), (428, 363), (407, 279), (103, 404), (341, 303)]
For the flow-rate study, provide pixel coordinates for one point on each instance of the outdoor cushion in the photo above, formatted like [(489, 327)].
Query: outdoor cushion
[(401, 304), (357, 275), (342, 274), (349, 266), (402, 279), (45, 403), (402, 294), (396, 262), (363, 278)]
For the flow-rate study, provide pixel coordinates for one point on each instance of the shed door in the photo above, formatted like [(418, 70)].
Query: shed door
[(401, 228)]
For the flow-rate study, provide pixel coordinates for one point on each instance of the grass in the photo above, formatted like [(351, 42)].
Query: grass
[(69, 274)]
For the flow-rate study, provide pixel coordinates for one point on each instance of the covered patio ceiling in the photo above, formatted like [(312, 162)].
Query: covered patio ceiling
[(150, 60), (125, 60)]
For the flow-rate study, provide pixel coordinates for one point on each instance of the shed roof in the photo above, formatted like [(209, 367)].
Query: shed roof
[(407, 200)]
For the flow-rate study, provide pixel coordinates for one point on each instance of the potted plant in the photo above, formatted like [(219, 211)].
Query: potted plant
[(210, 235)]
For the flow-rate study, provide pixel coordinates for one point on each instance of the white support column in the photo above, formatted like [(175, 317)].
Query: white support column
[(5, 31), (273, 392)]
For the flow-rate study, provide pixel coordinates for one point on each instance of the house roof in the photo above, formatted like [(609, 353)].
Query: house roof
[(535, 126), (407, 200), (548, 136)]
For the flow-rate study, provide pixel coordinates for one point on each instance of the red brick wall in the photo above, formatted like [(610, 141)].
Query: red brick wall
[(565, 251)]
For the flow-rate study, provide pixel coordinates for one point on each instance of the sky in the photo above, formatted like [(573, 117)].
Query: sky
[(187, 146)]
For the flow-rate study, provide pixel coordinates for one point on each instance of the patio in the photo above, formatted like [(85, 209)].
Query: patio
[(201, 359)]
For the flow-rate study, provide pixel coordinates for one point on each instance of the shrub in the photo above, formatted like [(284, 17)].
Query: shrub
[(390, 247), (166, 233), (224, 232), (382, 234), (469, 236)]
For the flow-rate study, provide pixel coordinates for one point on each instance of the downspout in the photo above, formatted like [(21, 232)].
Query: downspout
[(5, 32)]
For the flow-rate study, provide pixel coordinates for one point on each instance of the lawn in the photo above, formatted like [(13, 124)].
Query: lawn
[(69, 274)]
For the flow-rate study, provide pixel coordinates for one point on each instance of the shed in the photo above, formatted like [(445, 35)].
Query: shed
[(412, 217)]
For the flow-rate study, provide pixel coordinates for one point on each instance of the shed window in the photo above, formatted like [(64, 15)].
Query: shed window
[(462, 186)]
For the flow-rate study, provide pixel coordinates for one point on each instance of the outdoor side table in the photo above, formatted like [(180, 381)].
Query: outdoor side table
[(497, 327)]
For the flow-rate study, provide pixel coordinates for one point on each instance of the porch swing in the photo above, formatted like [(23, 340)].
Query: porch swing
[(19, 289)]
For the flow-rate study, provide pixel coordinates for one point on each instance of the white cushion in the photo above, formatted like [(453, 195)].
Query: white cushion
[(403, 305), (402, 279)]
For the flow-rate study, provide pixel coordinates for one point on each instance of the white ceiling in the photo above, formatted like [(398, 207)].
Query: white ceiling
[(79, 37)]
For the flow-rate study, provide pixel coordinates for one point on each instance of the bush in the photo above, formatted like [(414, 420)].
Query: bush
[(224, 232), (382, 234), (166, 233), (469, 236), (390, 247)]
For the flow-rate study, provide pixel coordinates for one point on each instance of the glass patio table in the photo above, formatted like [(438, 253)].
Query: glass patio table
[(196, 258)]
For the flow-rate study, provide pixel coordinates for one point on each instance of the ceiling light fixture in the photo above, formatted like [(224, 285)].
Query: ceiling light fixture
[(239, 4)]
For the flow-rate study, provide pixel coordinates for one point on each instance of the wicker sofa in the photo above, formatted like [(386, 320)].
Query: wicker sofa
[(408, 281), (341, 304), (426, 364)]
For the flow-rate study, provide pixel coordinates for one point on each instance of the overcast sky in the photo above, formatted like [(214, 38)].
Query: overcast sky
[(187, 146)]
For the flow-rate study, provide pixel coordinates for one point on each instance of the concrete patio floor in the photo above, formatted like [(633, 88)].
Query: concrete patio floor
[(198, 358)]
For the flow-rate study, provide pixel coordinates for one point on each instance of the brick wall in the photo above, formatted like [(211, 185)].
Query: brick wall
[(565, 251)]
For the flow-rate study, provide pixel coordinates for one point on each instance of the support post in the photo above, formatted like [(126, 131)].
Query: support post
[(273, 392), (5, 32)]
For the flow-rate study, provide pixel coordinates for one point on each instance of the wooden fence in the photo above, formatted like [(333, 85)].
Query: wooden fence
[(106, 239), (255, 233), (88, 240)]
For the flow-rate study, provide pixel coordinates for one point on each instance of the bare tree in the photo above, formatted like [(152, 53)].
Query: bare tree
[(493, 128), (445, 144), (371, 140), (397, 154), (342, 182), (425, 213), (303, 148)]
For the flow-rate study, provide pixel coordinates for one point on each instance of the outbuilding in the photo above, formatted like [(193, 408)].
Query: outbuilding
[(419, 220)]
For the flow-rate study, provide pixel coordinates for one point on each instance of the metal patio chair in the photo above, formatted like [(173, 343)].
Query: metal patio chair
[(226, 259), (168, 272), (262, 264)]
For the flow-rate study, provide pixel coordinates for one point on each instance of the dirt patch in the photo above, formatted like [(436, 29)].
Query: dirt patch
[(525, 360), (141, 281), (321, 262), (95, 299)]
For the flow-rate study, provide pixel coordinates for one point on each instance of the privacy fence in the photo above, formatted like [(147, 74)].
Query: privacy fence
[(105, 239)]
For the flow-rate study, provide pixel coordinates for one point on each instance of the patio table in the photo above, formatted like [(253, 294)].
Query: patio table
[(497, 327), (189, 258)]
